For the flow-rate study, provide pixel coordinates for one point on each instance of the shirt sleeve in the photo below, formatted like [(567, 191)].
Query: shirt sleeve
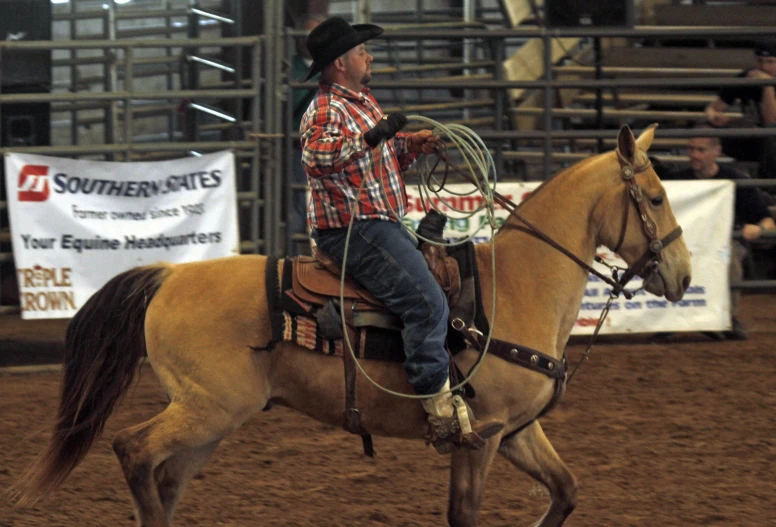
[(328, 147), (401, 147)]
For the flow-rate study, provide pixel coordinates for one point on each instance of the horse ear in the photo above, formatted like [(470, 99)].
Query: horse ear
[(646, 137), (626, 143)]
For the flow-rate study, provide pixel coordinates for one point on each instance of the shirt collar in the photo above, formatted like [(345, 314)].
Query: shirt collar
[(342, 91)]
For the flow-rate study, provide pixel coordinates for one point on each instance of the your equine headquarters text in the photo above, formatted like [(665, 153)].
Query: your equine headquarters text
[(161, 241)]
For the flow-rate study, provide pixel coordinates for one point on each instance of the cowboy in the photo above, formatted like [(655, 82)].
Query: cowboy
[(353, 155)]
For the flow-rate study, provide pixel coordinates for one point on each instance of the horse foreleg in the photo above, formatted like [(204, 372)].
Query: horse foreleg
[(144, 447), (174, 474), (531, 451), (468, 471)]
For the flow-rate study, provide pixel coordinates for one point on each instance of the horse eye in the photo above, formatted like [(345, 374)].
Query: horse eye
[(656, 202)]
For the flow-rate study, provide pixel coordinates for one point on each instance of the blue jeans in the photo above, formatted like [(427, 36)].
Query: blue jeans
[(385, 260)]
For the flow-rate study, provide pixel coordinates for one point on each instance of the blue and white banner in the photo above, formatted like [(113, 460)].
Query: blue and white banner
[(704, 209), (75, 224)]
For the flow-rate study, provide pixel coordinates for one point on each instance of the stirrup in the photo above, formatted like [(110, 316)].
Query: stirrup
[(459, 430)]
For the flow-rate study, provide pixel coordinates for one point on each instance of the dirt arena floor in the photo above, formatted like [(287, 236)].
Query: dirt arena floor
[(670, 434)]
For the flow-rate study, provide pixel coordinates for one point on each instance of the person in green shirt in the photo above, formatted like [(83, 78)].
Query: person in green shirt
[(297, 217)]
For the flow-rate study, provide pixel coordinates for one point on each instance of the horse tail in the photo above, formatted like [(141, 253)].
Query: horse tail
[(104, 343)]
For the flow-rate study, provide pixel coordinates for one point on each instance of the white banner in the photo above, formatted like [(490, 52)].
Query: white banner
[(76, 224), (704, 209)]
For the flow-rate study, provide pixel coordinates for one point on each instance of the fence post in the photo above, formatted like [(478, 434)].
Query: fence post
[(129, 72), (547, 121), (111, 75)]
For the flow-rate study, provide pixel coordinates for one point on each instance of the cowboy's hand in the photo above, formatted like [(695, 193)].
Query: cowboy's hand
[(385, 129), (423, 142)]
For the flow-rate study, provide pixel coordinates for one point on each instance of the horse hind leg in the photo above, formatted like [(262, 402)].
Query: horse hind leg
[(141, 449), (531, 451)]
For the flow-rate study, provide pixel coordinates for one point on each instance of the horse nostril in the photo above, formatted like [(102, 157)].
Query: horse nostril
[(686, 283)]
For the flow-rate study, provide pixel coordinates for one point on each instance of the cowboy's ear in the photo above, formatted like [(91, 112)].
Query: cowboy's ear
[(626, 143), (646, 137), (339, 63)]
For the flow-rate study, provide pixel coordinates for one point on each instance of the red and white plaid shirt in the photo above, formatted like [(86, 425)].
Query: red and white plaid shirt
[(336, 159)]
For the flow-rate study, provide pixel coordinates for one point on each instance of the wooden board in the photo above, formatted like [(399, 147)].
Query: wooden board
[(666, 99), (666, 57), (519, 10), (527, 63), (715, 15)]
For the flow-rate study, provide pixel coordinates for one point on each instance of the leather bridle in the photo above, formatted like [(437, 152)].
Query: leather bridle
[(654, 254)]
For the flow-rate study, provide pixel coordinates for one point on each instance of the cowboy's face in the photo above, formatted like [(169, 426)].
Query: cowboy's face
[(766, 64), (358, 66)]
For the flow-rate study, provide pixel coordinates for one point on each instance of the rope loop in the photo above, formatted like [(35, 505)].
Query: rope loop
[(478, 164)]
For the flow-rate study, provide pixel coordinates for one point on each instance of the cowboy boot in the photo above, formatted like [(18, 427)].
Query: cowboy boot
[(452, 424)]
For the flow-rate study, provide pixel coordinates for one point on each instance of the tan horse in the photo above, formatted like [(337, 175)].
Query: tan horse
[(199, 323)]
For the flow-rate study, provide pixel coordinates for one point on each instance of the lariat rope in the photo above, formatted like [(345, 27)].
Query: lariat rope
[(480, 164)]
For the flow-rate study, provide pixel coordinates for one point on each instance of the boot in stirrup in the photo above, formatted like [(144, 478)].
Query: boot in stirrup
[(452, 425)]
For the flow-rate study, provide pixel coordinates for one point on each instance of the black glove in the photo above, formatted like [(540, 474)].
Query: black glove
[(385, 128)]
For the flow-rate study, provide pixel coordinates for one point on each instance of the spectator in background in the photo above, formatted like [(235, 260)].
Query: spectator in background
[(751, 213), (297, 216), (758, 105)]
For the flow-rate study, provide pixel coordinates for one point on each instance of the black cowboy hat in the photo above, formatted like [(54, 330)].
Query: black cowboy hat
[(334, 37)]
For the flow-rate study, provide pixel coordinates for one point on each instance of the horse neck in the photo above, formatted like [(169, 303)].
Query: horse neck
[(538, 289)]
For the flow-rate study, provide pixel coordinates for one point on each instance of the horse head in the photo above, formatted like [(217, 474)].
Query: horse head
[(639, 223)]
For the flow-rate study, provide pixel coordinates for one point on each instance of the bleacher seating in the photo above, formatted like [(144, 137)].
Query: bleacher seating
[(649, 58)]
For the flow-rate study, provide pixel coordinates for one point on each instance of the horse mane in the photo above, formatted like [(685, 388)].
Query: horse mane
[(558, 175)]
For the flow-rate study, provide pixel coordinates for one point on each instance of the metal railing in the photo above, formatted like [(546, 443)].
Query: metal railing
[(270, 86), (106, 22)]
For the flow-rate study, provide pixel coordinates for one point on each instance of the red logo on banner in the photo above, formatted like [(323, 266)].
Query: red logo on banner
[(33, 183)]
